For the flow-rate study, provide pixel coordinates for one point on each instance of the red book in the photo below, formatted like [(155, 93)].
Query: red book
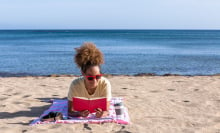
[(82, 103)]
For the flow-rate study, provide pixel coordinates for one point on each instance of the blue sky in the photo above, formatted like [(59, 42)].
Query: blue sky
[(109, 14)]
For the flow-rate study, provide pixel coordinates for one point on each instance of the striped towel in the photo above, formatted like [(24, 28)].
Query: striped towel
[(61, 106)]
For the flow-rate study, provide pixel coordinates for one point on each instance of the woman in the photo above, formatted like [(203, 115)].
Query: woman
[(91, 85)]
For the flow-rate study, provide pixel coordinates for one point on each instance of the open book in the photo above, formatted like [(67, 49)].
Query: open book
[(82, 103)]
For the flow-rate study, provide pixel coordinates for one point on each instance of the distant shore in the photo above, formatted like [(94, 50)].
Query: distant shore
[(6, 74)]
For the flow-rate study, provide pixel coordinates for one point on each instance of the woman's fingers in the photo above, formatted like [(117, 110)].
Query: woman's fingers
[(99, 113), (85, 113), (99, 109)]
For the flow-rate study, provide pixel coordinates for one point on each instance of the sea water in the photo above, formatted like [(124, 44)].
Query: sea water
[(45, 52)]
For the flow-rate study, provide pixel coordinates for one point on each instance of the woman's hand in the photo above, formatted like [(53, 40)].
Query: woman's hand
[(100, 113), (84, 113)]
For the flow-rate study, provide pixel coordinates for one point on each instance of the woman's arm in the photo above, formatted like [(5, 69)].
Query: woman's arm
[(70, 110)]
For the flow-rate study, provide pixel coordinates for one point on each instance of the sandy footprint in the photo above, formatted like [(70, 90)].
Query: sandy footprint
[(3, 98), (185, 103), (16, 93), (154, 91), (26, 96), (171, 89)]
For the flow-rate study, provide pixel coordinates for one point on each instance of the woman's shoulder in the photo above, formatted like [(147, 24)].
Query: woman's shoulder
[(77, 81), (104, 81)]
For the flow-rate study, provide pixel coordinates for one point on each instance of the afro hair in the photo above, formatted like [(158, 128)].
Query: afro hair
[(88, 53)]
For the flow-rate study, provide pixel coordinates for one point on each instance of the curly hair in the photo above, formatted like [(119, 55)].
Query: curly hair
[(88, 55)]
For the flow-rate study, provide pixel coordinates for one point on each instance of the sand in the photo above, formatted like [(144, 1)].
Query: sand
[(164, 104)]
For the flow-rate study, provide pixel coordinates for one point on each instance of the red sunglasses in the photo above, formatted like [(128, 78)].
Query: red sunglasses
[(94, 77)]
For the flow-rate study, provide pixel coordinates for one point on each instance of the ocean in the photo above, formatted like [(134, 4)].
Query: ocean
[(127, 52)]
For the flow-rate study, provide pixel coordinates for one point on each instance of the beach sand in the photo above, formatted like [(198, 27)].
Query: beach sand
[(156, 104)]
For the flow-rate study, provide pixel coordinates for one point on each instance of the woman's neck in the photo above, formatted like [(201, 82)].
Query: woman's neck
[(90, 90)]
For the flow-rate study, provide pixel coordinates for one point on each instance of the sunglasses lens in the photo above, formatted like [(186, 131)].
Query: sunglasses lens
[(98, 76), (90, 78), (94, 77)]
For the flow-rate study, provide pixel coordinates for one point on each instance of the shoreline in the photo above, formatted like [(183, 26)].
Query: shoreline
[(7, 75)]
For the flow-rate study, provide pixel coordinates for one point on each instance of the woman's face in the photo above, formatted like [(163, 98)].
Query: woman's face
[(92, 71)]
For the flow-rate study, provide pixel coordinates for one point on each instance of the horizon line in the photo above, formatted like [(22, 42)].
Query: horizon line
[(107, 29)]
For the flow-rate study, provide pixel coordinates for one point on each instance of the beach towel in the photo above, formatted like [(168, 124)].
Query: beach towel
[(62, 107)]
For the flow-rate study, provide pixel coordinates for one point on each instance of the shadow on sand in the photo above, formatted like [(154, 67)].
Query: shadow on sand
[(34, 111)]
